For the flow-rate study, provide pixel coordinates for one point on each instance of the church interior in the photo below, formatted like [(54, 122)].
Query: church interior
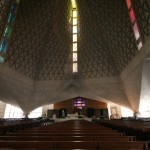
[(75, 62)]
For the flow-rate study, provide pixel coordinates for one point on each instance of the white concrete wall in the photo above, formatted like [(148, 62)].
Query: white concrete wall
[(21, 91), (131, 77), (2, 109), (145, 90), (125, 90)]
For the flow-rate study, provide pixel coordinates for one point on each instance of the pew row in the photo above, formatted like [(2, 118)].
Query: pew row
[(73, 145)]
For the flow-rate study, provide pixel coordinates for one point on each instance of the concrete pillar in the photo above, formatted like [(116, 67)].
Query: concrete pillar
[(26, 114)]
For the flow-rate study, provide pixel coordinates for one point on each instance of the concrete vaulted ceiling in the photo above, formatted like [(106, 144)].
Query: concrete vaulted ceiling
[(37, 67)]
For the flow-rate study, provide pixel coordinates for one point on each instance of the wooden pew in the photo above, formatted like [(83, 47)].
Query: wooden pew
[(69, 135), (121, 145), (108, 138), (139, 128), (68, 131), (77, 138), (65, 138), (76, 145), (29, 138), (49, 145), (27, 144), (65, 134)]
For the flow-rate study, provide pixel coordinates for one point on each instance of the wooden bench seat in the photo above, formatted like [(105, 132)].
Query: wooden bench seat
[(108, 138), (27, 144), (65, 138), (65, 134), (77, 138), (72, 145), (49, 145), (68, 131), (70, 135), (30, 138), (76, 145), (126, 145)]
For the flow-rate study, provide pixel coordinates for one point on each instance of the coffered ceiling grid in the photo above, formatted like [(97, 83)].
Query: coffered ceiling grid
[(57, 45), (94, 59), (142, 12), (111, 23), (27, 37), (4, 11), (39, 42)]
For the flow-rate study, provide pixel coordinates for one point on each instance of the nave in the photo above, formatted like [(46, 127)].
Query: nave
[(71, 134)]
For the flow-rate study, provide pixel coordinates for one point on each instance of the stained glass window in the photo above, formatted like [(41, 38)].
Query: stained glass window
[(74, 47), (11, 18), (74, 56), (7, 32), (1, 59), (75, 67), (134, 24), (136, 31), (74, 21), (6, 36), (128, 3), (3, 46), (79, 103), (74, 13), (74, 37), (74, 29), (132, 16)]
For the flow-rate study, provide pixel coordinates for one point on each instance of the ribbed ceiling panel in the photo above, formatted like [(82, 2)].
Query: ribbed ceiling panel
[(41, 41)]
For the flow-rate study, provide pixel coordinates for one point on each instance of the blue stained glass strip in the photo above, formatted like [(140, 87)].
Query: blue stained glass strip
[(11, 18), (3, 46), (1, 59)]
